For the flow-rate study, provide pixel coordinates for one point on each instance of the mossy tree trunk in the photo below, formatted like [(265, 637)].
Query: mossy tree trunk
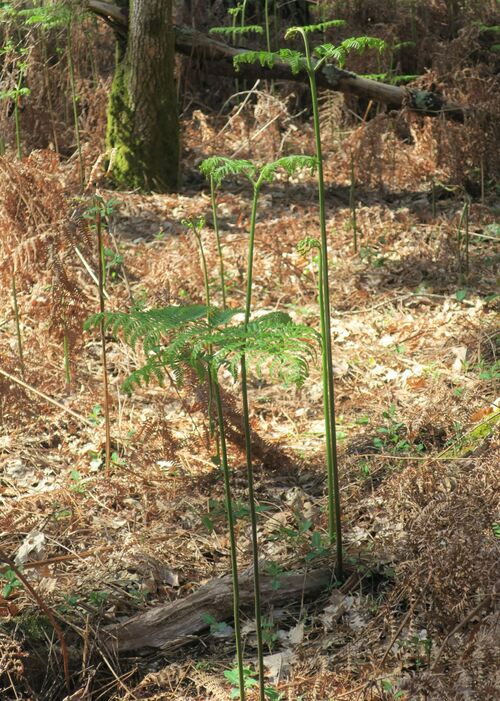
[(143, 124)]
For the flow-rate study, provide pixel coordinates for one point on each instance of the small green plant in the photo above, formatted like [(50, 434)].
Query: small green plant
[(364, 470), (233, 677), (98, 598), (269, 633), (95, 415), (250, 682), (201, 337), (388, 687), (77, 485), (393, 436), (317, 547), (216, 627), (12, 583), (275, 571)]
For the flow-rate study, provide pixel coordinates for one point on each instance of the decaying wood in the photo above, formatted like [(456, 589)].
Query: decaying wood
[(174, 624), (215, 56)]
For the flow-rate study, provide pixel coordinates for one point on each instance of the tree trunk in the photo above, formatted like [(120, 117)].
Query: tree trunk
[(143, 125)]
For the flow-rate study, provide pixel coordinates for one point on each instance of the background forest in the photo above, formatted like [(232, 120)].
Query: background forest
[(249, 414)]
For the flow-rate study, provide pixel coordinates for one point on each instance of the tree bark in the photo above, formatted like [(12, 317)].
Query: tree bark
[(143, 130)]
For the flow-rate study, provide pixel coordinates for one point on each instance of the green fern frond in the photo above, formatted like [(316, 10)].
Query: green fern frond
[(331, 52), (307, 244), (229, 31), (489, 27), (290, 164), (150, 326), (403, 45), (179, 337), (397, 79), (310, 28), (49, 16), (295, 59), (359, 44), (273, 341), (267, 59), (219, 167)]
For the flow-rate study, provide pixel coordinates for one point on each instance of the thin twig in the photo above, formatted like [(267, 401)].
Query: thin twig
[(66, 409), (390, 301)]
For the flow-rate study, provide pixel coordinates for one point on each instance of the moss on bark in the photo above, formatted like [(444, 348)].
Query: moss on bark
[(143, 129)]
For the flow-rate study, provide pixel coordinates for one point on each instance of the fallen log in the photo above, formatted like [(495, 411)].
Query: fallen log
[(215, 56), (172, 625)]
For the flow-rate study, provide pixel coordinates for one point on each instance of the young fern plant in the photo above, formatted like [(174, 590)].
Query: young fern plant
[(201, 337), (334, 514), (218, 168), (310, 64)]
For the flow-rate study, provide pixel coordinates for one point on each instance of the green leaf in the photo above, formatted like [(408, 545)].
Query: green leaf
[(460, 295)]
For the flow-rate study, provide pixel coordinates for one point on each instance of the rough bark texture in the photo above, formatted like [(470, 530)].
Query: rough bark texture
[(172, 625), (143, 132)]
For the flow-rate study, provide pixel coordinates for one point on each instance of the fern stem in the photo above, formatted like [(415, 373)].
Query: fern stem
[(218, 242), (101, 273), (334, 515), (266, 20), (352, 206), (232, 539), (248, 450), (211, 389), (214, 391)]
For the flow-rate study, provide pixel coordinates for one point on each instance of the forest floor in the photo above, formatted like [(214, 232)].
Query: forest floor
[(417, 398)]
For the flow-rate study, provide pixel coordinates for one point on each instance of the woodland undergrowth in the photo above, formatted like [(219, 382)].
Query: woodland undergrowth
[(414, 325)]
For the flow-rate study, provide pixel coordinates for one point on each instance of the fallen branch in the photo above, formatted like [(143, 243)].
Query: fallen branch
[(174, 624), (215, 56)]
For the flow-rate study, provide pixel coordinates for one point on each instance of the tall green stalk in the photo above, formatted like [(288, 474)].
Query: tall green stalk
[(352, 206), (248, 448), (215, 388), (218, 241), (101, 281), (334, 513), (267, 25)]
